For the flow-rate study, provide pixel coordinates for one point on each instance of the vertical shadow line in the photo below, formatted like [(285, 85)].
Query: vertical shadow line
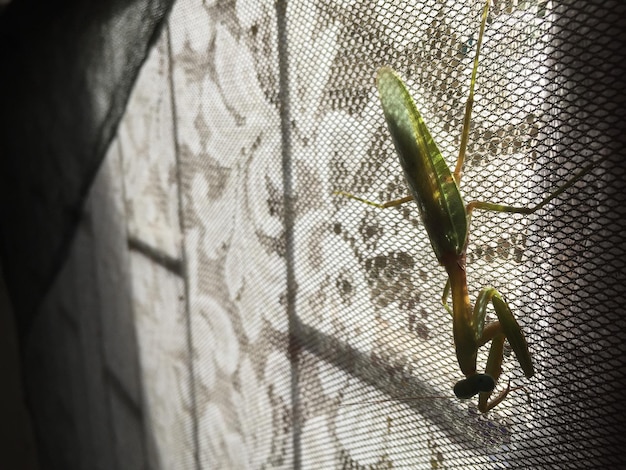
[(183, 268), (287, 168)]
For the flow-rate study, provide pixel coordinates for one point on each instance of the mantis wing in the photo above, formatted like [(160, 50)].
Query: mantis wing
[(434, 189)]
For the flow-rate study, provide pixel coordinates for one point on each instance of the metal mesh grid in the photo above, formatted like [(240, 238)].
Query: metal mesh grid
[(384, 327), (318, 335)]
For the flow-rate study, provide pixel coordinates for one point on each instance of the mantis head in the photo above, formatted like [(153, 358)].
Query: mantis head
[(474, 384)]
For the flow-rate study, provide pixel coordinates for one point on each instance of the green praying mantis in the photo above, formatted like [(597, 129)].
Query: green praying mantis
[(446, 219)]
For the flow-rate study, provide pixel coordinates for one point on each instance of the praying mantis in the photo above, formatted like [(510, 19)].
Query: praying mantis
[(446, 219)]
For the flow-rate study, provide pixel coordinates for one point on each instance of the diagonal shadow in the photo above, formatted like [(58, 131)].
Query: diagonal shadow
[(462, 426)]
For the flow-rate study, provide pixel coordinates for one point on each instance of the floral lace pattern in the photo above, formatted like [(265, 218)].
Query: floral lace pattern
[(366, 320)]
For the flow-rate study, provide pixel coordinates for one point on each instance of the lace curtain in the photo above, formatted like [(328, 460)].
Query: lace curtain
[(281, 326)]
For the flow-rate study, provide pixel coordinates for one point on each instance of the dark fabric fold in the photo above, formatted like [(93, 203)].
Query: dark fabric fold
[(67, 69)]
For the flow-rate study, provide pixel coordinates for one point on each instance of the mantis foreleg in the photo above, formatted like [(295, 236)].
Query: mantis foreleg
[(505, 328)]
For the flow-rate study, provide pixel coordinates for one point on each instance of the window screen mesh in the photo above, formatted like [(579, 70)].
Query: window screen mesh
[(317, 331)]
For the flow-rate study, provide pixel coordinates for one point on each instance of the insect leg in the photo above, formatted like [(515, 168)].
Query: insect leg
[(505, 328), (470, 99), (490, 206), (384, 205), (444, 297), (506, 325)]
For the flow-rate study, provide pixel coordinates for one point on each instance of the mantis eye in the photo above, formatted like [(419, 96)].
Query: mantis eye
[(474, 384)]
